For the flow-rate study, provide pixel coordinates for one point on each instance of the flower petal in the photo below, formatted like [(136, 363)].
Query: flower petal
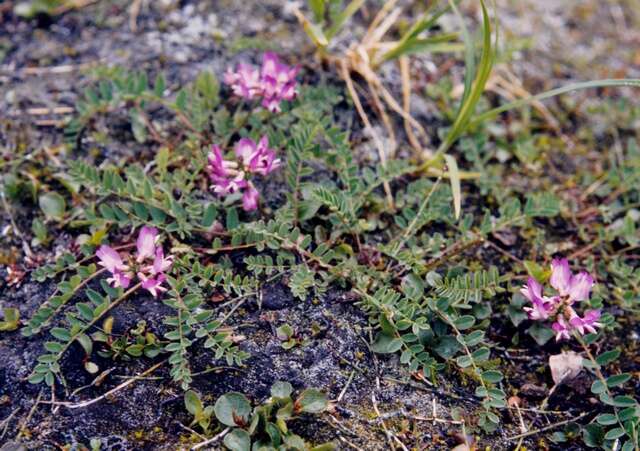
[(561, 328), (245, 150), (580, 287), (160, 263), (146, 243), (560, 276), (110, 259), (250, 198), (532, 290)]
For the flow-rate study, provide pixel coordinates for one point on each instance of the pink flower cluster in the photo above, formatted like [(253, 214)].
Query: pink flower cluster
[(570, 288), (274, 81), (229, 177), (149, 265)]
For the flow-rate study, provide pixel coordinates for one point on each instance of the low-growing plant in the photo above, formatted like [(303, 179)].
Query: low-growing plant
[(263, 427), (386, 233)]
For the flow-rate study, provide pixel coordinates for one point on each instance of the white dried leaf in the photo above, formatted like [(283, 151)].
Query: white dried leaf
[(565, 366)]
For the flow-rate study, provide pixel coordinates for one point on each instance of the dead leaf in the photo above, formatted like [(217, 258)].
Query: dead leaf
[(467, 442), (514, 401), (565, 366)]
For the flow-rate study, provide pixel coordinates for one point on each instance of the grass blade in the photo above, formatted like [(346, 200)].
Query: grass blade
[(478, 85), (433, 43), (318, 8), (469, 55), (313, 31), (612, 82), (424, 23), (340, 20), (468, 106), (454, 179)]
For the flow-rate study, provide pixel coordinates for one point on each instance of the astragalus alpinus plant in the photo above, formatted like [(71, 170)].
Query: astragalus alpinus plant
[(253, 182)]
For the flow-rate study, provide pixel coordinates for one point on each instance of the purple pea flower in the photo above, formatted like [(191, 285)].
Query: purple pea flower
[(229, 177), (573, 287), (224, 174), (587, 323), (111, 260), (257, 158), (570, 288), (274, 82), (149, 265), (278, 82), (245, 81), (543, 306)]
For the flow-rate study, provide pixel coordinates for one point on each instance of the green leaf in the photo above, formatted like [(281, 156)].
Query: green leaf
[(232, 409), (618, 379), (61, 334), (606, 419), (159, 85), (281, 390), (311, 401), (135, 350), (294, 442), (630, 413), (53, 346), (53, 205), (464, 361), (238, 440), (210, 215), (193, 403), (593, 435), (607, 357), (412, 286), (447, 347), (492, 376), (597, 387), (208, 87), (340, 19), (232, 218), (464, 322), (536, 271), (624, 401), (481, 355), (385, 344), (36, 378), (11, 319), (317, 6), (85, 342), (85, 310), (542, 205), (540, 333), (614, 433), (471, 95), (181, 100)]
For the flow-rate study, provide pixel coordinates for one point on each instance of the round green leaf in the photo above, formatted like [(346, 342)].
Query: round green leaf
[(232, 409), (311, 401), (192, 403), (238, 440), (52, 204), (281, 389)]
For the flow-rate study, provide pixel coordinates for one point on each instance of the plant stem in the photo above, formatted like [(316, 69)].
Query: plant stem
[(97, 318), (599, 375)]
